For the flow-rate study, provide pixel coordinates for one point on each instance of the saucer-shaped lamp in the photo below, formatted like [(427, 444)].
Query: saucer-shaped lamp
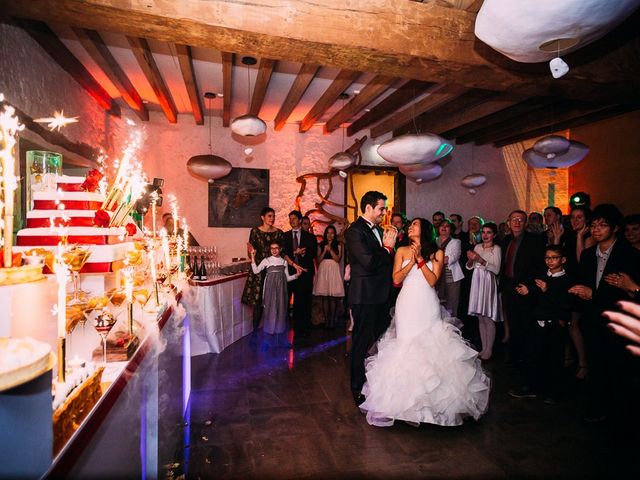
[(422, 173), (248, 126), (576, 152), (537, 31), (414, 148), (552, 144), (474, 180), (342, 161), (209, 166)]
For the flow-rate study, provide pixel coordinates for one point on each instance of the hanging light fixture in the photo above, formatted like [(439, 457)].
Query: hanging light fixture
[(210, 167), (248, 125), (343, 159), (473, 180), (554, 151), (421, 172)]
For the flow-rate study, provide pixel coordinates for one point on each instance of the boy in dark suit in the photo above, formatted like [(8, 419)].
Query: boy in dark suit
[(551, 315), (371, 259), (611, 369)]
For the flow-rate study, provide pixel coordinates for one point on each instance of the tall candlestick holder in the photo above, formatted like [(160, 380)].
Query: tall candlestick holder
[(62, 359)]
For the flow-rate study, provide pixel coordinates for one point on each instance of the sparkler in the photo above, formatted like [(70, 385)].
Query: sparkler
[(57, 121), (9, 128)]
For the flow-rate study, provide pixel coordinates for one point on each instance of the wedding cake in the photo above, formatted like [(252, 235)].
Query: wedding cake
[(80, 214)]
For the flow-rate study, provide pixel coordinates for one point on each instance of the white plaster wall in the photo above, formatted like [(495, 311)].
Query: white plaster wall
[(493, 201), (34, 83), (287, 154)]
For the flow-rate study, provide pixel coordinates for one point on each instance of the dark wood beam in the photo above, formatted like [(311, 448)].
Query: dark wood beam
[(300, 85), (448, 121), (100, 53), (339, 85), (437, 95), (403, 95), (557, 112), (607, 112), (425, 122), (227, 78), (189, 76), (57, 50), (144, 57), (368, 94), (508, 113), (265, 69), (437, 44)]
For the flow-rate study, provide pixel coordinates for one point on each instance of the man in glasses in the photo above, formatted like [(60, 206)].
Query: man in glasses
[(612, 374), (523, 260)]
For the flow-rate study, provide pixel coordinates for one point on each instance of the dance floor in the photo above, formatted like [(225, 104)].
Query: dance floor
[(279, 413)]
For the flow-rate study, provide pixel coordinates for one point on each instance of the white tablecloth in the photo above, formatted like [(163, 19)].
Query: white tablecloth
[(217, 317)]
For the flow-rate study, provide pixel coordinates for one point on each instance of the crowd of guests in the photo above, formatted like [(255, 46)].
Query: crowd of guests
[(538, 282)]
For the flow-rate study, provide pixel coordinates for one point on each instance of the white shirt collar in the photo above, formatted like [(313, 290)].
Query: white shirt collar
[(606, 253), (557, 274)]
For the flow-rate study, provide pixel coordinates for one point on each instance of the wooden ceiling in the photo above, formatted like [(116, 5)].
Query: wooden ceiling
[(406, 65)]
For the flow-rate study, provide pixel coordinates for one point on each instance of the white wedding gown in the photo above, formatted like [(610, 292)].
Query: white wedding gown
[(424, 371)]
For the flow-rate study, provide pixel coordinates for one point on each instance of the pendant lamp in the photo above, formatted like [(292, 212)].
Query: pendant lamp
[(554, 151), (414, 148), (473, 180), (342, 160), (210, 167), (248, 125)]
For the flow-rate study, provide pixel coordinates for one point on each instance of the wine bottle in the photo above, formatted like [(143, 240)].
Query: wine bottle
[(203, 269), (196, 268)]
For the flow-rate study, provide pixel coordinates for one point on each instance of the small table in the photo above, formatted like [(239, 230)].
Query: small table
[(216, 314)]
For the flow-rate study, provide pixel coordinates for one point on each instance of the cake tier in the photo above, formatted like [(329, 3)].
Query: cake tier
[(76, 218), (38, 237), (70, 200), (21, 360), (70, 184)]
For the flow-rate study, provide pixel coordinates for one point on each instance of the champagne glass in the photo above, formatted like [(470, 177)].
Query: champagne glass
[(75, 258), (103, 322)]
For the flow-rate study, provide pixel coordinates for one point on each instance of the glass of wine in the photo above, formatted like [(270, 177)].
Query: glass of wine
[(75, 258), (103, 322)]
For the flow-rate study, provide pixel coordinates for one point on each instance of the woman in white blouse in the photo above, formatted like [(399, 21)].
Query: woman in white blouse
[(449, 286), (483, 299)]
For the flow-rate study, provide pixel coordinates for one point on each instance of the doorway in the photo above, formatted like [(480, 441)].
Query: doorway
[(387, 180)]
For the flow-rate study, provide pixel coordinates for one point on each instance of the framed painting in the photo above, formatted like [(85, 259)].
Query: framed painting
[(237, 199)]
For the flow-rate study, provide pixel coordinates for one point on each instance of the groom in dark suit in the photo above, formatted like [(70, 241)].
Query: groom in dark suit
[(370, 254), (301, 247)]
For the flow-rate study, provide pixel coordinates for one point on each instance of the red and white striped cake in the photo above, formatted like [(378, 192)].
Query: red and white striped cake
[(108, 245)]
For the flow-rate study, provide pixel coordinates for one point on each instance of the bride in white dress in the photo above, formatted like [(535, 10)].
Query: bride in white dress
[(423, 371)]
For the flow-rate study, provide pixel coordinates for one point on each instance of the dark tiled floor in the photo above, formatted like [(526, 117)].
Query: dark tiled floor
[(280, 413)]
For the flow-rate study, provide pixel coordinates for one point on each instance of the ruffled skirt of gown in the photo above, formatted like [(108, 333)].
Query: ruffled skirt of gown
[(423, 371)]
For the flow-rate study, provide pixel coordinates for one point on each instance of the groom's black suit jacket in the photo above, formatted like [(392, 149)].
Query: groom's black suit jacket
[(371, 265)]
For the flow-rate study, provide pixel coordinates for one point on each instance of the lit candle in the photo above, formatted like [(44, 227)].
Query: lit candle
[(62, 277), (165, 250), (154, 201), (185, 233), (9, 127)]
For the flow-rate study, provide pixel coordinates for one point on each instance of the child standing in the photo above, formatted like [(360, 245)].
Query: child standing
[(275, 296), (552, 314)]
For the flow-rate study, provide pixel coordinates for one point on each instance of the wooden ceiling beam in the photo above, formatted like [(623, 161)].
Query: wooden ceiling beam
[(265, 69), (99, 52), (560, 111), (376, 87), (437, 95), (403, 95), (144, 57), (439, 125), (607, 112), (57, 50), (500, 116), (300, 84), (227, 80), (456, 107), (189, 75), (328, 98), (437, 45)]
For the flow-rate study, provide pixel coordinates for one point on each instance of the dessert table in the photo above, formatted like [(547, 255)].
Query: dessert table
[(216, 314)]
